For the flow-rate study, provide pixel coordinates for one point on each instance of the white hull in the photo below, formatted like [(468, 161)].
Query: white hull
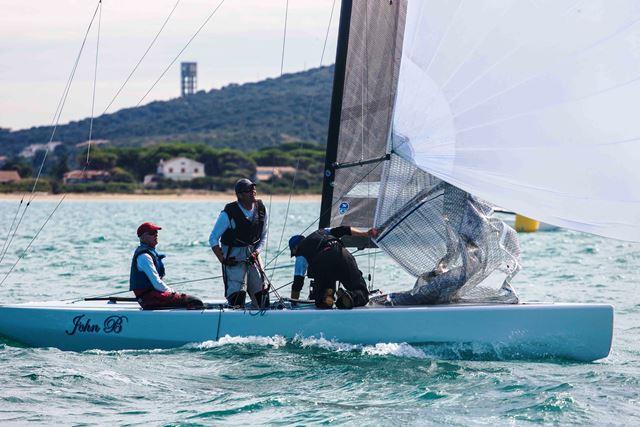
[(574, 331)]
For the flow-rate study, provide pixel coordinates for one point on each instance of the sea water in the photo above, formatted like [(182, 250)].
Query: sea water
[(86, 248)]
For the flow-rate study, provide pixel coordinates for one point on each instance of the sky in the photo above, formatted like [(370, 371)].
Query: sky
[(40, 39)]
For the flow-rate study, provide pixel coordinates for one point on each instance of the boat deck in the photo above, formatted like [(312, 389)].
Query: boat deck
[(575, 331), (218, 304)]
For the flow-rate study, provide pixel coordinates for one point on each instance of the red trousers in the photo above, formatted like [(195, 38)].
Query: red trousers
[(152, 300)]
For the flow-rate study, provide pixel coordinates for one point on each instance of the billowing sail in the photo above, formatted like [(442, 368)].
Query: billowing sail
[(372, 67), (532, 106)]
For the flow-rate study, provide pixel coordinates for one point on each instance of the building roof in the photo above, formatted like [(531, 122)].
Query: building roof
[(9, 176), (275, 169), (85, 174), (92, 142), (180, 159)]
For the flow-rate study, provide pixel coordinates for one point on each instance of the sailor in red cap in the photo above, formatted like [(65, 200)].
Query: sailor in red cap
[(147, 271)]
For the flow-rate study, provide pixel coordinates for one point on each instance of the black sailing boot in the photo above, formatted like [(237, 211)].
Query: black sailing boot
[(326, 301), (344, 300)]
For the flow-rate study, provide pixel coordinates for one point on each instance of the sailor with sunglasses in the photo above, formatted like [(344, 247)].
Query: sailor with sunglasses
[(237, 238)]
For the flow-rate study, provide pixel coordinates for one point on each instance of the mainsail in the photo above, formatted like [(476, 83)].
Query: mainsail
[(373, 42)]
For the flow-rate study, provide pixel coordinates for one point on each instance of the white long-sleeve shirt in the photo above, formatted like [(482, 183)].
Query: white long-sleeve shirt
[(145, 264), (223, 223)]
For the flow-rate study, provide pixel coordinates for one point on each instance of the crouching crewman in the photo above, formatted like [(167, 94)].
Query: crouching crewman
[(323, 257)]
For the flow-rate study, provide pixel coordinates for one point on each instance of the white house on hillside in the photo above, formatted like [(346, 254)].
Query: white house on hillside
[(180, 169)]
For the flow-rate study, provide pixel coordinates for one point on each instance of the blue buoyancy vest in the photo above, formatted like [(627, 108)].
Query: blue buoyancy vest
[(138, 279)]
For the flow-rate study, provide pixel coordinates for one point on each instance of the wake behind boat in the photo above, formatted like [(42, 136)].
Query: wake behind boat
[(520, 331)]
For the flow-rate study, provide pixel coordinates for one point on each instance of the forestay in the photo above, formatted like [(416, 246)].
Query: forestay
[(529, 105)]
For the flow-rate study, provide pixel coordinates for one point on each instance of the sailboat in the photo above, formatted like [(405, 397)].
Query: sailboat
[(528, 106)]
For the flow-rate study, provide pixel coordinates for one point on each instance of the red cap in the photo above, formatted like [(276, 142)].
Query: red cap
[(146, 227)]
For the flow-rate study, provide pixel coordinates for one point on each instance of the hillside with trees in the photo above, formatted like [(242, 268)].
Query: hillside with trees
[(128, 166), (294, 107)]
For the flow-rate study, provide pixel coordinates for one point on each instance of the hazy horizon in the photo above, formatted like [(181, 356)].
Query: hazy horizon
[(242, 43)]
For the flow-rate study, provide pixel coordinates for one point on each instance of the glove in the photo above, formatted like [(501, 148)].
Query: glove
[(231, 261)]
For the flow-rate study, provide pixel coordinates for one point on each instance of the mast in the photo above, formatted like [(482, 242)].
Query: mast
[(331, 153)]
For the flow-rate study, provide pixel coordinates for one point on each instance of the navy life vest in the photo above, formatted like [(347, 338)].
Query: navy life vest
[(138, 280), (246, 232)]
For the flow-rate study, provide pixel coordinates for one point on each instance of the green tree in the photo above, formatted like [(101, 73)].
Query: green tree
[(100, 159), (18, 164), (60, 167), (121, 175)]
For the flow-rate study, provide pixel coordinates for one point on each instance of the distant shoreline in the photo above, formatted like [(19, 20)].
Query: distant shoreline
[(200, 196)]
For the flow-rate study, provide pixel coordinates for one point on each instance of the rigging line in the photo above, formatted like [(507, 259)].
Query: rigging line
[(330, 207), (181, 51), (73, 300), (24, 252), (273, 169), (373, 274), (61, 104), (195, 280), (56, 120), (284, 36), (68, 87), (95, 79), (62, 100), (309, 104), (6, 240), (142, 58), (280, 287)]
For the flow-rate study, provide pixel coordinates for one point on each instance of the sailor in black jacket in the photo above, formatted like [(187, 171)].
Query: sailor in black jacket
[(323, 257)]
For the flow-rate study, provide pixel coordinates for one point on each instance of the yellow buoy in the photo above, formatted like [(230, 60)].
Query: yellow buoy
[(527, 225)]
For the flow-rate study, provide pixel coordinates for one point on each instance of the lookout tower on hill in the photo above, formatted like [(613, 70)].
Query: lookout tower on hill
[(188, 78)]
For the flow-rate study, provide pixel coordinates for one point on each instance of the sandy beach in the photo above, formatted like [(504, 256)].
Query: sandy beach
[(184, 196)]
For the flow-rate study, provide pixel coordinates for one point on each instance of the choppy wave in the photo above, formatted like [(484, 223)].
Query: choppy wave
[(276, 341), (380, 349)]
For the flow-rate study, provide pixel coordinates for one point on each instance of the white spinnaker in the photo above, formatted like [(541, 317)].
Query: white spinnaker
[(531, 105)]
